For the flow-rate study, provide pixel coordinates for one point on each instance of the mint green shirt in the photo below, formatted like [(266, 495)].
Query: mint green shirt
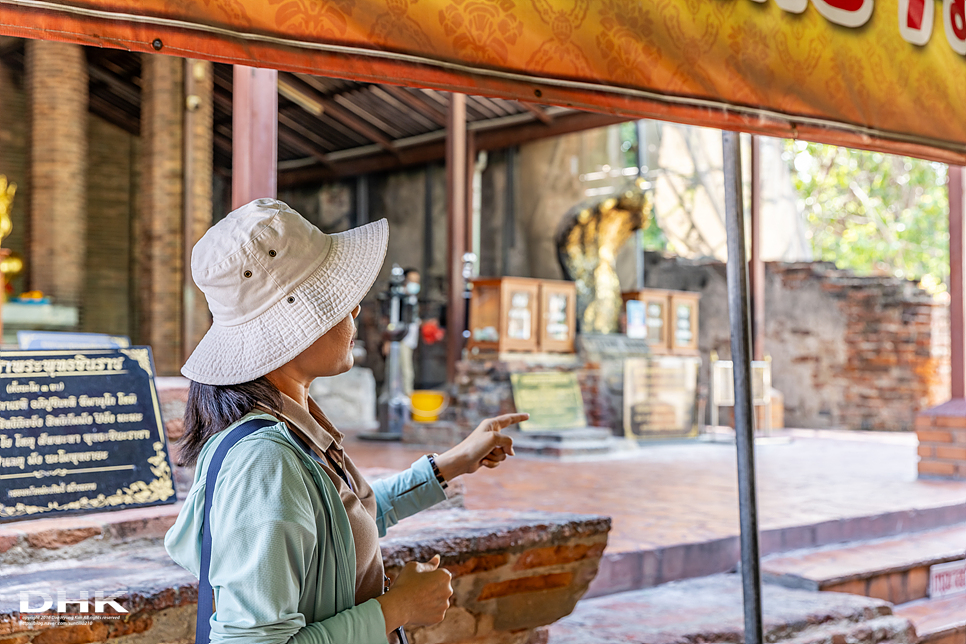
[(283, 556)]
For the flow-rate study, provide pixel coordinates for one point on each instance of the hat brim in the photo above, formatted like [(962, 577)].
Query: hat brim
[(229, 355)]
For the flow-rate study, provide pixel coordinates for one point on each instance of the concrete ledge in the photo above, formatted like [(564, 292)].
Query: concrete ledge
[(513, 573), (87, 535)]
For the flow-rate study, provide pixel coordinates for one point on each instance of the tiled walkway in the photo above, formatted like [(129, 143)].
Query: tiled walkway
[(669, 494)]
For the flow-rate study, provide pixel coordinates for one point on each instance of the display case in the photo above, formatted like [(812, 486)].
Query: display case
[(684, 323), (656, 306), (504, 314), (670, 320), (558, 316)]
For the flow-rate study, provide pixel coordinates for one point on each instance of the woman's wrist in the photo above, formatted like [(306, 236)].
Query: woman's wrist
[(394, 611), (449, 464)]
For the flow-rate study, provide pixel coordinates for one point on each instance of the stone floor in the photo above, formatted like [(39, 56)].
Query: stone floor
[(673, 493)]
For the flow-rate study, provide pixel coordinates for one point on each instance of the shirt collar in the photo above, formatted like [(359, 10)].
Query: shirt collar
[(312, 423)]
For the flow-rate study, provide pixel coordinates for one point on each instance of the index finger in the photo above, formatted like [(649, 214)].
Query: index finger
[(506, 420)]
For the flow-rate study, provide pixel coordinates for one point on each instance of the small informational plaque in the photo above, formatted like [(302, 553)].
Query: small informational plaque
[(80, 431), (660, 395), (947, 579), (53, 340), (552, 398)]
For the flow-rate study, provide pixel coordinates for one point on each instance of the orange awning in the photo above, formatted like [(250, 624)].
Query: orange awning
[(887, 75)]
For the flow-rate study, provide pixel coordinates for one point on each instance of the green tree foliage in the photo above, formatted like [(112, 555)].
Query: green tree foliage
[(874, 213)]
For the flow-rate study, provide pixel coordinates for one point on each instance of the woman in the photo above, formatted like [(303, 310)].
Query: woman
[(294, 527)]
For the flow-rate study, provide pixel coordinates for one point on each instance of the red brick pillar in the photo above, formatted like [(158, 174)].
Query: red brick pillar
[(159, 226), (942, 440), (57, 93), (198, 159), (942, 429)]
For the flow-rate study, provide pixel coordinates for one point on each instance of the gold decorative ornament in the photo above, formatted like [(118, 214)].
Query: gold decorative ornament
[(11, 265), (588, 240), (161, 488), (7, 191)]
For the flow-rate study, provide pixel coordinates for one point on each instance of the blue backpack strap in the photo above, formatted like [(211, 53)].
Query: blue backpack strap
[(205, 598)]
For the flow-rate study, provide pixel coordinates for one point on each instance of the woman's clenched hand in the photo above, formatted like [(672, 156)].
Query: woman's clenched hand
[(419, 596)]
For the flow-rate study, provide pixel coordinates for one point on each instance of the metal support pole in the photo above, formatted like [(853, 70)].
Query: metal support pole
[(957, 315), (738, 308), (641, 171), (757, 265), (456, 214)]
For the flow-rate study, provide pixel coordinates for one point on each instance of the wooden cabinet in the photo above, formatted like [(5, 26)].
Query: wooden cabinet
[(653, 317), (684, 323), (503, 314), (670, 320), (558, 316), (522, 315)]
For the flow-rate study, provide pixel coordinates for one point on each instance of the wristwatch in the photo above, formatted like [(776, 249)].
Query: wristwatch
[(439, 476)]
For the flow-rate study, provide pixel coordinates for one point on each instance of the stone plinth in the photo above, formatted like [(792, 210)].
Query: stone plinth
[(569, 443), (513, 574), (942, 440), (483, 388)]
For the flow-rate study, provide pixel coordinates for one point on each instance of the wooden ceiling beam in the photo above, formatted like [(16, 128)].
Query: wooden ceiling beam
[(303, 84), (361, 127), (293, 140), (109, 112), (285, 119), (123, 89), (435, 151), (539, 112), (427, 110)]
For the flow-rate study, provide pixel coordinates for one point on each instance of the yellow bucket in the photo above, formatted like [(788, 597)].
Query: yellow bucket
[(427, 405)]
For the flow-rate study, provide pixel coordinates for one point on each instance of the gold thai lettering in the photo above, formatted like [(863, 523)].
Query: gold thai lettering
[(56, 488), (21, 422), (13, 461), (105, 401), (20, 404), (53, 402), (53, 366), (69, 420), (58, 439), (63, 456), (100, 437)]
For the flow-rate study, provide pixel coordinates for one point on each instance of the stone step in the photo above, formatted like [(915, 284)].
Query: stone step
[(937, 621), (895, 569), (709, 609)]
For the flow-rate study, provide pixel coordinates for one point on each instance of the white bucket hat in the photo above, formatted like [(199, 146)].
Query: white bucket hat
[(275, 284)]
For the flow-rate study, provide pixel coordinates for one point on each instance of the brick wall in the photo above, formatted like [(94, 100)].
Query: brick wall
[(850, 352), (57, 90), (110, 206), (159, 225)]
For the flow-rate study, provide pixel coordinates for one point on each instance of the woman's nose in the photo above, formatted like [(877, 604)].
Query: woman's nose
[(356, 311)]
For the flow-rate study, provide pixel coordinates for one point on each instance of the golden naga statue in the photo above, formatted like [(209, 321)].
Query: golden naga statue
[(7, 191), (588, 240)]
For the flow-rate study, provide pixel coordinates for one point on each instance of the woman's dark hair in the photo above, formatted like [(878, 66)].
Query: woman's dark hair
[(212, 408)]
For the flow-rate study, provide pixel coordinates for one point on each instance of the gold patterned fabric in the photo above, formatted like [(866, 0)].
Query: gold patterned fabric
[(888, 75)]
